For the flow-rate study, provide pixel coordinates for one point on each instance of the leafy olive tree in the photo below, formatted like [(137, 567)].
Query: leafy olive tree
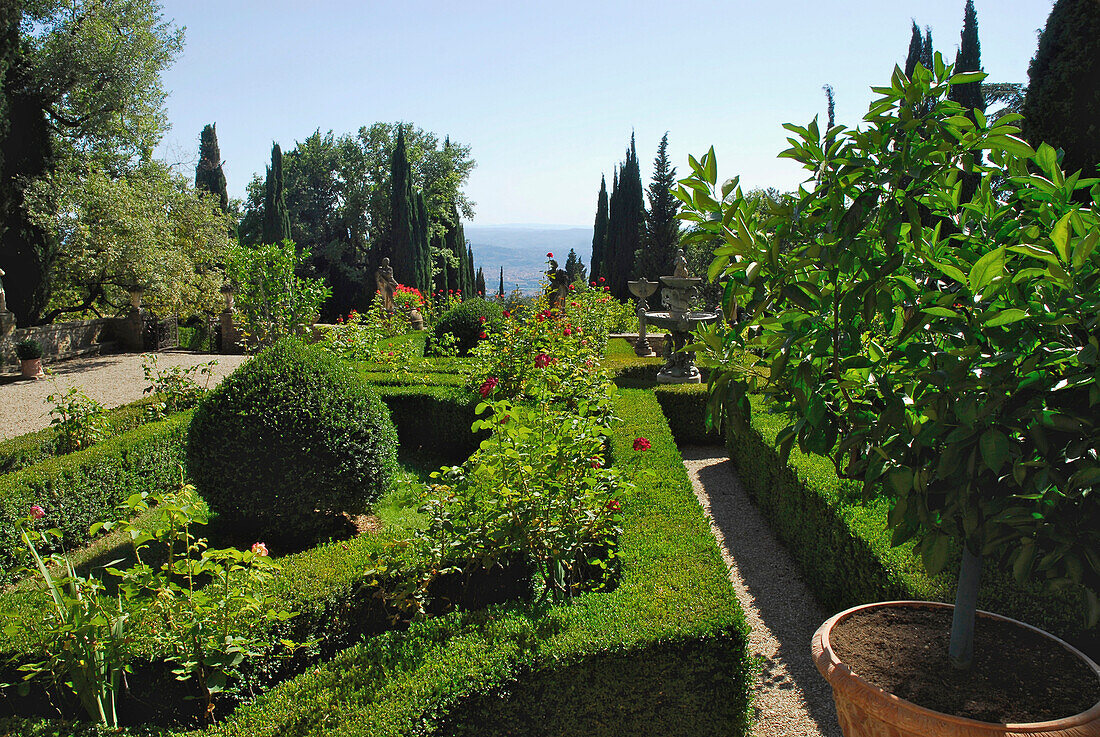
[(957, 374)]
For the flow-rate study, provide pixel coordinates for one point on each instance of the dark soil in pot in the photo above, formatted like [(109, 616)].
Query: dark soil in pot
[(1017, 677)]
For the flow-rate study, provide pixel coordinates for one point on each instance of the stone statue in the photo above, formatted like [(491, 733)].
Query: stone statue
[(3, 297), (680, 264), (559, 285), (387, 285)]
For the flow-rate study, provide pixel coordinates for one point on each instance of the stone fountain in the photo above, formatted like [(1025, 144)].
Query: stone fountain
[(680, 321), (643, 290)]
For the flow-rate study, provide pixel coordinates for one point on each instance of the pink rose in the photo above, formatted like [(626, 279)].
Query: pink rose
[(259, 549), (37, 512)]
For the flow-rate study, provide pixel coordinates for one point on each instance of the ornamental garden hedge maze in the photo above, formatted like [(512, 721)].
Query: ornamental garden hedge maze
[(556, 576)]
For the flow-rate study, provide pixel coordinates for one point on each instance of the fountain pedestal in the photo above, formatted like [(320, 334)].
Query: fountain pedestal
[(680, 321), (643, 289)]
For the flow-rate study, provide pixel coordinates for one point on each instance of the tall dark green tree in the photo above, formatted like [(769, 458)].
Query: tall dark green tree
[(469, 287), (599, 232), (830, 102), (500, 291), (401, 247), (969, 59), (969, 95), (916, 45), (662, 229), (209, 175), (423, 247), (625, 225), (574, 267), (926, 51), (479, 286), (276, 224), (1062, 104)]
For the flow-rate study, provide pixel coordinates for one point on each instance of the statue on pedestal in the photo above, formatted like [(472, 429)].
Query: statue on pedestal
[(559, 285), (387, 285), (680, 265)]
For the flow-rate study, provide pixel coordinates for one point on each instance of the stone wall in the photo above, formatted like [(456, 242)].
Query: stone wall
[(61, 340)]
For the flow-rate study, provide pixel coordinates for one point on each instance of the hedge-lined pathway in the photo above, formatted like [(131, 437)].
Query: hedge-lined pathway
[(111, 380), (791, 699)]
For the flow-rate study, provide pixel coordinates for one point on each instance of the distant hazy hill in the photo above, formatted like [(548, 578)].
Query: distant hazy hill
[(522, 249)]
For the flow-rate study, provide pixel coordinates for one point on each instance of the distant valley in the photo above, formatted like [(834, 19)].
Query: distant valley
[(522, 249)]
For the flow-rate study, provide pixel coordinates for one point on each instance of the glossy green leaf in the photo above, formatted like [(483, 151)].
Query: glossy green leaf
[(1005, 317), (986, 269)]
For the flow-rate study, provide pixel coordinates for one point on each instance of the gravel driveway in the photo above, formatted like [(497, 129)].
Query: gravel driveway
[(111, 380), (791, 698)]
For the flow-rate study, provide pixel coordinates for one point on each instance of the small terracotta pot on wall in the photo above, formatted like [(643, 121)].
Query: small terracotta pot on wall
[(864, 710), (31, 368)]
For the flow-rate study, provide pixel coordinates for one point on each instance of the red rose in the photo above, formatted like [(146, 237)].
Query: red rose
[(482, 335), (613, 506), (641, 444), (487, 388), (542, 360), (550, 255)]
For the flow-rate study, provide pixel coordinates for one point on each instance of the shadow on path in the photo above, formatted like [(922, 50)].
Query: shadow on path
[(791, 698)]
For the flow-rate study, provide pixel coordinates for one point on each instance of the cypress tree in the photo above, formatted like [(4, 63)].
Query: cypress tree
[(479, 287), (402, 246), (574, 267), (969, 95), (626, 215), (470, 287), (926, 51), (916, 44), (969, 59), (662, 229), (599, 231), (276, 225), (1062, 105), (831, 103), (500, 292), (422, 252), (209, 175)]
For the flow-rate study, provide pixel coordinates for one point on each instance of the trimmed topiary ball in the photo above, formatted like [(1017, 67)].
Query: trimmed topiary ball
[(464, 322), (290, 437)]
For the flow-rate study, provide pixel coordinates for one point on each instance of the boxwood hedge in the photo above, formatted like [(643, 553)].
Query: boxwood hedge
[(842, 545)]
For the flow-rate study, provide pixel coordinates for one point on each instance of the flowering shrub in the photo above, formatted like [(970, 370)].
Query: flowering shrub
[(203, 605), (80, 420), (545, 354), (537, 494), (466, 322)]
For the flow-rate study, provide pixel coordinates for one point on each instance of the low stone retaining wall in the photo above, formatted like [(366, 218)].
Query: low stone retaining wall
[(61, 340)]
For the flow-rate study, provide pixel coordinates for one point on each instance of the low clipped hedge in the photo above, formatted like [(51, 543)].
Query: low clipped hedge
[(672, 626), (26, 450), (663, 653), (685, 407), (84, 487), (466, 321), (435, 418), (842, 545)]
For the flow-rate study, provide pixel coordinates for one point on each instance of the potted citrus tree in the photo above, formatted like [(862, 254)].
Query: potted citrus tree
[(926, 308), (29, 352)]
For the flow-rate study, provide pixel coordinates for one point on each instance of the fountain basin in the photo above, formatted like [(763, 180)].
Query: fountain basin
[(681, 282), (679, 322)]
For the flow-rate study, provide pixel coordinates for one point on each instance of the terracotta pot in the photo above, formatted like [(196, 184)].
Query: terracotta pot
[(31, 368), (864, 710)]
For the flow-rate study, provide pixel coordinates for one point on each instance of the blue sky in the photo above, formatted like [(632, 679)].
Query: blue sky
[(547, 94)]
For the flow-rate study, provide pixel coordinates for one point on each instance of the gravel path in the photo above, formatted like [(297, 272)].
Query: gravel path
[(791, 698), (111, 380)]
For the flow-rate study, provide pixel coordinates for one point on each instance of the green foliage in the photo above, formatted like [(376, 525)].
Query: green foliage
[(28, 349), (81, 488), (209, 175), (662, 229), (599, 234), (272, 300), (467, 321), (685, 408), (79, 420), (175, 385), (276, 222), (948, 355), (84, 94), (1062, 103), (288, 435), (625, 225)]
